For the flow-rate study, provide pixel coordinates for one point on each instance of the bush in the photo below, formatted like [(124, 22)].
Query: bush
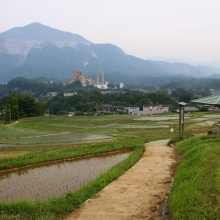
[(104, 113), (122, 113), (203, 109), (80, 113), (90, 114)]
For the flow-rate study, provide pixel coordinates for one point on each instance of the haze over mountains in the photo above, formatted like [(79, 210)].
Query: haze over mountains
[(37, 50), (215, 64)]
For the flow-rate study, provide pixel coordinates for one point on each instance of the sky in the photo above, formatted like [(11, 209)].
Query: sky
[(187, 29)]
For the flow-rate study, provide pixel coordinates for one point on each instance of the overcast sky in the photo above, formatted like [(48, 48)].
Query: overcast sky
[(187, 29)]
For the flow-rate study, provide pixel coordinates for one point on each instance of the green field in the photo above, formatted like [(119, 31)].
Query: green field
[(56, 137), (44, 139), (61, 131)]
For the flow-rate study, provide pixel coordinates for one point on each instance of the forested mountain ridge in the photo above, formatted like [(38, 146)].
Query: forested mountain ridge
[(37, 50)]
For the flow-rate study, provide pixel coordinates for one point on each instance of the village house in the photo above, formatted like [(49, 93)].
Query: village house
[(51, 94), (152, 109), (131, 110), (69, 93), (71, 114)]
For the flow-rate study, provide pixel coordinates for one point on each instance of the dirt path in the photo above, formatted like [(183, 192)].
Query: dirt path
[(139, 193)]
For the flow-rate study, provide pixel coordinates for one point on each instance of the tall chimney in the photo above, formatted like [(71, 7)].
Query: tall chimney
[(97, 78), (102, 78)]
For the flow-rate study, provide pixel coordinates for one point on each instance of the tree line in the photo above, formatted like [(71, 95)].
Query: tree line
[(93, 99), (20, 94), (15, 106)]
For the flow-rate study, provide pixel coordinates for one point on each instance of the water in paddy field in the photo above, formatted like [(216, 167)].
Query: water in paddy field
[(54, 180)]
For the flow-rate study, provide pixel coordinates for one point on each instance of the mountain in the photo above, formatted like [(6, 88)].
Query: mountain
[(208, 65), (169, 60), (21, 40), (215, 64), (37, 50)]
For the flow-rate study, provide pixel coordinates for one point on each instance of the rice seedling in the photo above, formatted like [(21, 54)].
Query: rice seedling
[(86, 170)]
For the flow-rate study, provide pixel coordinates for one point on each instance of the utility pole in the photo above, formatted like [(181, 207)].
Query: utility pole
[(10, 112)]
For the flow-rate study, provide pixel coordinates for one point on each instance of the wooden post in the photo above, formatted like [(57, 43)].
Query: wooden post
[(181, 118)]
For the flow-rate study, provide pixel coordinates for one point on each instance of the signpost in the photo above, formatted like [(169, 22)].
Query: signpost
[(181, 118)]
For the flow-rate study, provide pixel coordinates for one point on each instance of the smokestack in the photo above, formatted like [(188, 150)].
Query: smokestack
[(97, 78), (102, 78)]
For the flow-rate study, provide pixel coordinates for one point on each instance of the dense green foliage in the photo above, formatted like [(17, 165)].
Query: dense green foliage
[(196, 187), (90, 100), (181, 88), (14, 107), (30, 87), (192, 83)]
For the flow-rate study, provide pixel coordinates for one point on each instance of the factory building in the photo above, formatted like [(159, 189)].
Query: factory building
[(101, 85), (78, 76)]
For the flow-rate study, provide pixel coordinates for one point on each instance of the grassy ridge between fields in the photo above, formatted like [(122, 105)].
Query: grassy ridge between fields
[(70, 152), (195, 192), (57, 208)]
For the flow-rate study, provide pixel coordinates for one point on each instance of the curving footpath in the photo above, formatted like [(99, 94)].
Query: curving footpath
[(139, 193)]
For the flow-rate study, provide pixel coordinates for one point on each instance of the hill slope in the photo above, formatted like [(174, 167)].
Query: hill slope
[(37, 50)]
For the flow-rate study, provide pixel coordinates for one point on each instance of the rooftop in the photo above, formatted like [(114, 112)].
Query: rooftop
[(208, 100)]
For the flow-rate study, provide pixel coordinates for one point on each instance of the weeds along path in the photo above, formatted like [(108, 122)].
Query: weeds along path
[(139, 193)]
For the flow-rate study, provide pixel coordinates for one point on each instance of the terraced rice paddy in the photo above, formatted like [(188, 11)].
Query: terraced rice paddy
[(161, 118), (39, 138), (54, 180), (134, 126), (46, 139), (60, 131)]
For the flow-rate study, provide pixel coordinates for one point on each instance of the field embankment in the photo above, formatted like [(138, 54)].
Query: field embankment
[(196, 187)]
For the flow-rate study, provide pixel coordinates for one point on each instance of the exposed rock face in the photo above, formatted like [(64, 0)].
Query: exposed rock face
[(21, 40), (3, 46)]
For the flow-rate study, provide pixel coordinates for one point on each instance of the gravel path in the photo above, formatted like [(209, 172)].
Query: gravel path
[(139, 193)]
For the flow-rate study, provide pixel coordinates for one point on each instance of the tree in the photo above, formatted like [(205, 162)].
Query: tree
[(19, 106), (185, 98), (12, 107)]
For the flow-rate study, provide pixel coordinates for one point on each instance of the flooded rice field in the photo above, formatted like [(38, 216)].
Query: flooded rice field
[(134, 126), (39, 139), (42, 182)]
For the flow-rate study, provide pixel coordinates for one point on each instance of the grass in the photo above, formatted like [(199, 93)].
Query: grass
[(46, 139), (40, 157), (56, 132), (196, 187)]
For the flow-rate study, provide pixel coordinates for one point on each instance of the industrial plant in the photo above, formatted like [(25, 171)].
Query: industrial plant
[(78, 76), (101, 85)]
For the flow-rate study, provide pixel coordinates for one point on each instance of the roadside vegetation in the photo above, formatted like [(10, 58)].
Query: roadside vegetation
[(196, 186)]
